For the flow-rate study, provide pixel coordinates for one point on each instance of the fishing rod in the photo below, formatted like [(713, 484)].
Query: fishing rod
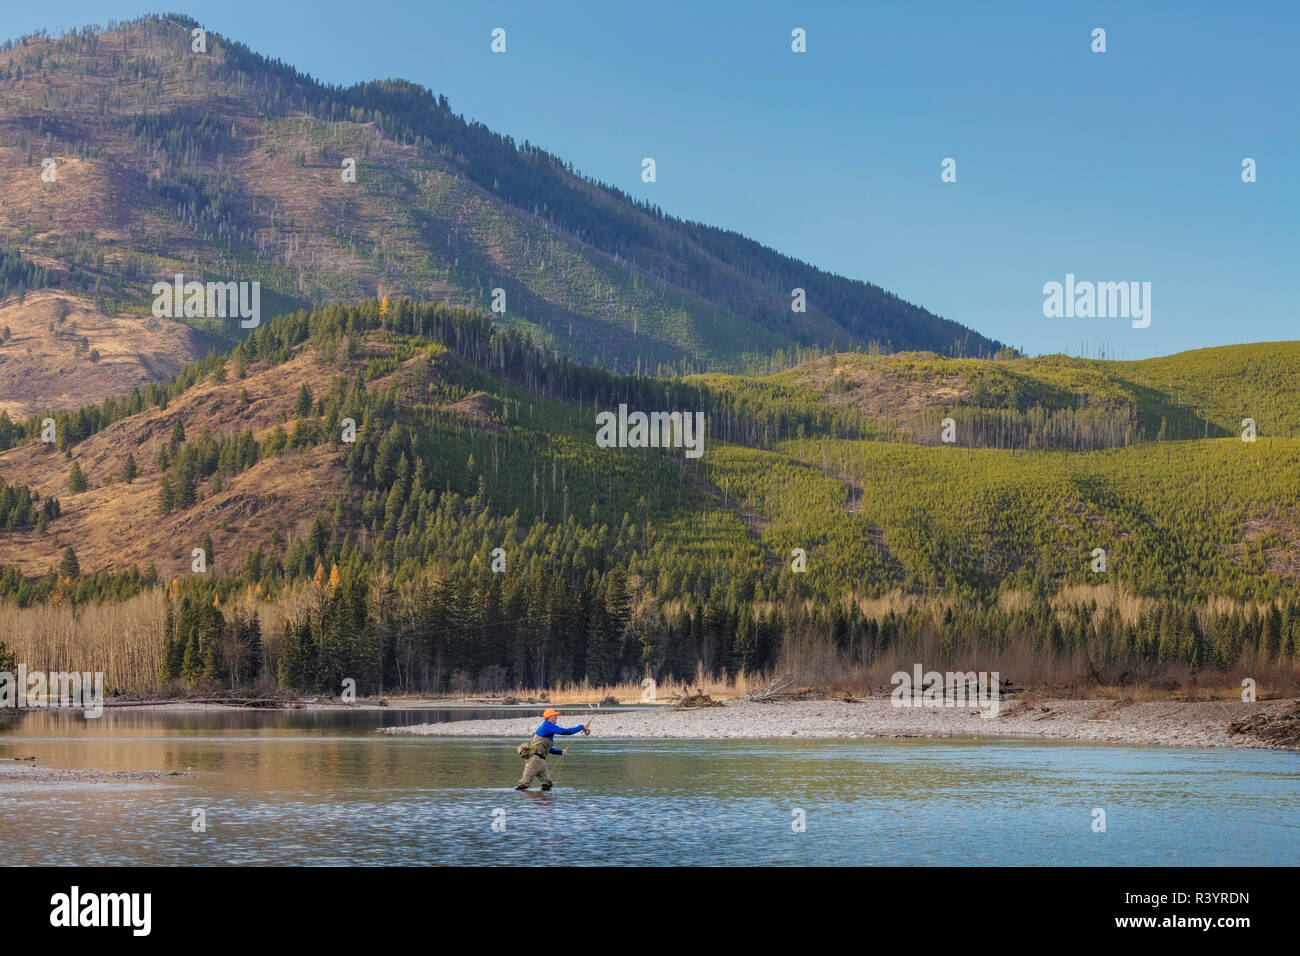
[(586, 733)]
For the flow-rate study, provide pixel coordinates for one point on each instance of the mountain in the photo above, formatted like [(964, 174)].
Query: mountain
[(225, 165), (386, 481)]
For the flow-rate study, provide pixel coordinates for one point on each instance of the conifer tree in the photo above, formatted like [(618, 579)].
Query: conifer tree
[(76, 479)]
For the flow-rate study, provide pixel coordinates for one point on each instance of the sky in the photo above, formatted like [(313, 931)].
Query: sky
[(1115, 166)]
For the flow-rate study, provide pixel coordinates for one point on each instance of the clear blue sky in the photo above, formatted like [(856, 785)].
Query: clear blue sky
[(1116, 166)]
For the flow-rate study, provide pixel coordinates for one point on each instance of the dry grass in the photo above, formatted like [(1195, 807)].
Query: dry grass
[(41, 370), (883, 390), (666, 691), (114, 525)]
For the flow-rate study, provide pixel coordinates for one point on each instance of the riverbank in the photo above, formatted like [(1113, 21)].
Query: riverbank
[(23, 771), (1163, 723), (182, 705)]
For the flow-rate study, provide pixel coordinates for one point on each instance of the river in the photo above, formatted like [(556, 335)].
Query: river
[(288, 788)]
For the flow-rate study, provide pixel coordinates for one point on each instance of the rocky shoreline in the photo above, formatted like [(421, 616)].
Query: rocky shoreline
[(1161, 723), (21, 771)]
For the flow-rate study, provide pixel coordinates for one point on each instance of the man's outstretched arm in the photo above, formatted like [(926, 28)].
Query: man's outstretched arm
[(548, 729)]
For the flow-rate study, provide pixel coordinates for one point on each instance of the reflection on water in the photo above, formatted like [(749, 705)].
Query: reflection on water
[(323, 788)]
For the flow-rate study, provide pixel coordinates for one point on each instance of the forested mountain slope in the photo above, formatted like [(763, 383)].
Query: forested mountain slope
[(475, 526), (223, 165), (1050, 401)]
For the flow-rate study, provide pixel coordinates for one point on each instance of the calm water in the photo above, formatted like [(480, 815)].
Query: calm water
[(323, 788)]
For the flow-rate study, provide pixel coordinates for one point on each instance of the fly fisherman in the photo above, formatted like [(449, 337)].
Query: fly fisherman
[(542, 744)]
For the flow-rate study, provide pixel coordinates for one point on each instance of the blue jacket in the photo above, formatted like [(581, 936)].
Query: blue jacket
[(549, 730)]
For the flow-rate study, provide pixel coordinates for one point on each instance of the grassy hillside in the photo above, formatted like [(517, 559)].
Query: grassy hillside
[(1186, 519), (1046, 401), (58, 352)]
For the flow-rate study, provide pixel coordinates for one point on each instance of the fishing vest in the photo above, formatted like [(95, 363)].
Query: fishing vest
[(537, 747)]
